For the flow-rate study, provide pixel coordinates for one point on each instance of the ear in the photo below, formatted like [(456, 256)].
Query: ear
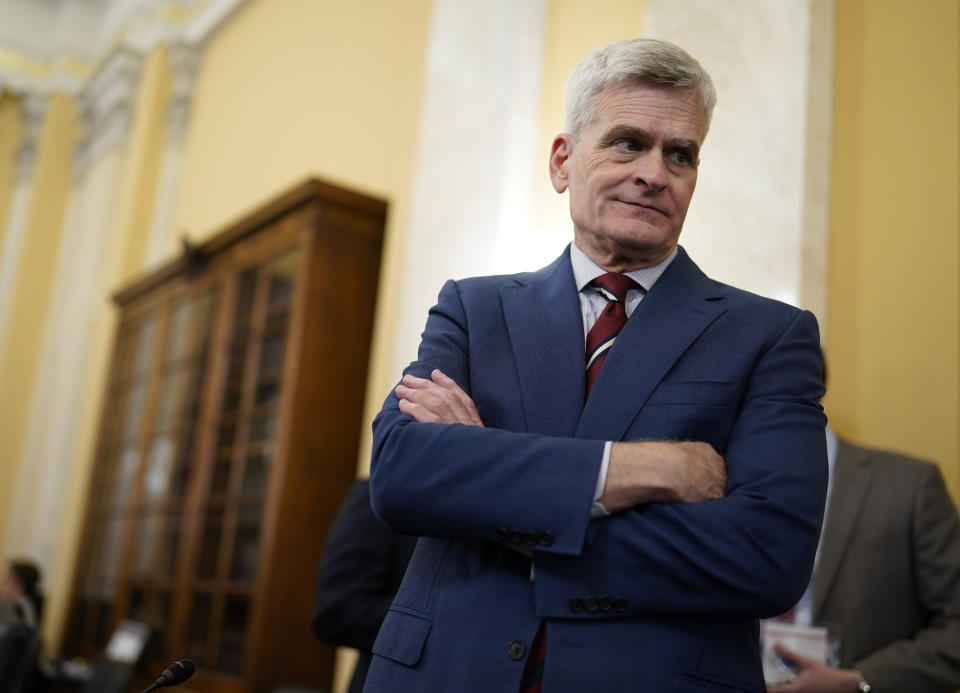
[(560, 152)]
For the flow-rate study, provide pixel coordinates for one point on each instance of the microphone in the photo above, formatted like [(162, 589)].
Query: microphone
[(175, 674)]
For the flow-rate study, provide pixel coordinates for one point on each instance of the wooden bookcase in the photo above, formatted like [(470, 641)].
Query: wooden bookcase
[(229, 434)]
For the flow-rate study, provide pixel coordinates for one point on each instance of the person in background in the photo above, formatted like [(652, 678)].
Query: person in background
[(887, 578), (21, 600), (362, 566)]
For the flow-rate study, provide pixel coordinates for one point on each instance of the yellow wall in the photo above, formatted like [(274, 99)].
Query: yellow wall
[(291, 88), (894, 280), (10, 130), (574, 29), (23, 333)]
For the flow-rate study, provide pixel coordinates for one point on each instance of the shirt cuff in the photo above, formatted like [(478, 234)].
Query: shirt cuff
[(597, 510)]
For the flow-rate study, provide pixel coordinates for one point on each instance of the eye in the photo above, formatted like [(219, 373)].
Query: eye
[(681, 156), (628, 145)]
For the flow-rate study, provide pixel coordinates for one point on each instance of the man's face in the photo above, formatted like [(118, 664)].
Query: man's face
[(631, 173)]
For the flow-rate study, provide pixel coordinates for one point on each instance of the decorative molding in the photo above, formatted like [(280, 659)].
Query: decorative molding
[(106, 106), (185, 62), (128, 26), (34, 109)]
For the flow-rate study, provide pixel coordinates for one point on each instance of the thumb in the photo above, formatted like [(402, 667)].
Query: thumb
[(789, 656)]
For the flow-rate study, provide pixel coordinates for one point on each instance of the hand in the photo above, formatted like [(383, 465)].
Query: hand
[(662, 471), (441, 400), (438, 400), (814, 676)]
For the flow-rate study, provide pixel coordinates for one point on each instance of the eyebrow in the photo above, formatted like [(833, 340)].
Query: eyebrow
[(682, 143), (620, 132)]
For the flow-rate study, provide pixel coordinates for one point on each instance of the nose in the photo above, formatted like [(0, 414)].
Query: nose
[(650, 170)]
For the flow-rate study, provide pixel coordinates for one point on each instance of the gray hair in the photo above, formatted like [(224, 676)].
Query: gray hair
[(644, 60)]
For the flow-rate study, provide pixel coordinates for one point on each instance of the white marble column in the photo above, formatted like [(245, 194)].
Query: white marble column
[(184, 63), (75, 337), (759, 216), (34, 109), (477, 142)]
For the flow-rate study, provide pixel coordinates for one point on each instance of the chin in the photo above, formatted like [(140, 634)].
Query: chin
[(642, 239)]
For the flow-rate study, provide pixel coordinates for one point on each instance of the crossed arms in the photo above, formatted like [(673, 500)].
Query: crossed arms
[(638, 473), (689, 532)]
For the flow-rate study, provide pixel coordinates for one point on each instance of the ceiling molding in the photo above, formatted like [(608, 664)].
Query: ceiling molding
[(36, 60)]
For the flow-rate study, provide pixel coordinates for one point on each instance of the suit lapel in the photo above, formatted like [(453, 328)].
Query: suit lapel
[(545, 324), (851, 482), (679, 307)]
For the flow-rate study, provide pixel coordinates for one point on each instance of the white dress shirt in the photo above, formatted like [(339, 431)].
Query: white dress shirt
[(592, 303)]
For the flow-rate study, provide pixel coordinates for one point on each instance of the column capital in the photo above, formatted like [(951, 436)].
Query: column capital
[(106, 106), (185, 60), (33, 108)]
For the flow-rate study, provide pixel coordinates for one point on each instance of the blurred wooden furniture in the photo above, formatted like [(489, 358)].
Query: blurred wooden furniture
[(229, 435)]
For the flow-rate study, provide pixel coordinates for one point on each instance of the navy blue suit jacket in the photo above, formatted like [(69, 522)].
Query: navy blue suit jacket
[(662, 597)]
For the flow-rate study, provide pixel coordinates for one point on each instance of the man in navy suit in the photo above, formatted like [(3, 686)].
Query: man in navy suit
[(618, 528)]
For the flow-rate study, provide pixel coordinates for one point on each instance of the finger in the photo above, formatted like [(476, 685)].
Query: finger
[(418, 387), (783, 651), (450, 385), (419, 413), (428, 399), (464, 401), (442, 379), (414, 382), (445, 406), (791, 657)]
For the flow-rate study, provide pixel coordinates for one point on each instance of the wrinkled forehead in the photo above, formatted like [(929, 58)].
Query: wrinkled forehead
[(677, 108)]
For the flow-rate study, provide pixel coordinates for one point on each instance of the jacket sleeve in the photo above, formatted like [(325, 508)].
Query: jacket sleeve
[(930, 660), (750, 552), (468, 482)]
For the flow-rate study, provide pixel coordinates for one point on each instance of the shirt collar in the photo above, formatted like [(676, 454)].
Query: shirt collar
[(586, 270)]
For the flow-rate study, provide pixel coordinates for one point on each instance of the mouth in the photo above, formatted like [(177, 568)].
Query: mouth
[(643, 206)]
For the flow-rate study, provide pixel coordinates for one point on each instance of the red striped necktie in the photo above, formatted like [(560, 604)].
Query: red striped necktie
[(603, 334)]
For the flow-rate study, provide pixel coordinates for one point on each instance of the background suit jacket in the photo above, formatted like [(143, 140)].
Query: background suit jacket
[(663, 597), (363, 563), (889, 571)]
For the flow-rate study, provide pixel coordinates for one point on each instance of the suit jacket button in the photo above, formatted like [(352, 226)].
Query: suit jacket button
[(590, 603), (546, 538), (576, 605), (516, 649), (620, 605), (516, 536), (604, 602), (502, 534), (531, 538)]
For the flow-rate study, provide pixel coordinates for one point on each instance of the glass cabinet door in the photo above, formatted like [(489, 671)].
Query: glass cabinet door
[(226, 561), (143, 468), (170, 440), (113, 485)]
